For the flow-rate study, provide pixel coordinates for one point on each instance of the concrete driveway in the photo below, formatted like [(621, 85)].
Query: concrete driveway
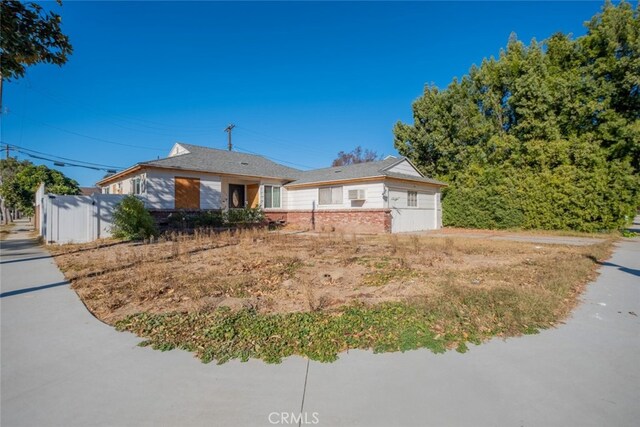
[(62, 367)]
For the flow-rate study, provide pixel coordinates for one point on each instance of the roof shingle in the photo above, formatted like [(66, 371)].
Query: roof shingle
[(206, 159)]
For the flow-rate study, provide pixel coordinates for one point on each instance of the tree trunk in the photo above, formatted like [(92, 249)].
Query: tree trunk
[(4, 211)]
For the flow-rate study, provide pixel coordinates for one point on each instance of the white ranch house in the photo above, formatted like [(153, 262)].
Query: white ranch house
[(390, 195)]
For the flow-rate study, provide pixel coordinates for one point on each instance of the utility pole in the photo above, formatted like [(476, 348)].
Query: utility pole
[(229, 129)]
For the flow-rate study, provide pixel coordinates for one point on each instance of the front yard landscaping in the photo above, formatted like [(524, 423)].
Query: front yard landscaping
[(268, 295)]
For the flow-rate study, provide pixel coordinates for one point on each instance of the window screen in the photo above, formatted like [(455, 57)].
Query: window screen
[(412, 199), (330, 196), (271, 196)]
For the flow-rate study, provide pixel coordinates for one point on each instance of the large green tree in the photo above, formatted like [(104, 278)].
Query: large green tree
[(20, 181), (547, 135), (30, 35)]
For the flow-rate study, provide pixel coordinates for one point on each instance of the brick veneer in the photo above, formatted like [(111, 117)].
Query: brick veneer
[(347, 220), (161, 215)]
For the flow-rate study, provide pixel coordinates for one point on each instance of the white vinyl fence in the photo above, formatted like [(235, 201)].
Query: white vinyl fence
[(75, 219)]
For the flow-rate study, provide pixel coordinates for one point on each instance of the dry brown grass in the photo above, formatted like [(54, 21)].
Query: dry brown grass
[(278, 273), (5, 230)]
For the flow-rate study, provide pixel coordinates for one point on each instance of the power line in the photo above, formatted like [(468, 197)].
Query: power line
[(16, 147), (69, 162), (154, 126), (95, 138)]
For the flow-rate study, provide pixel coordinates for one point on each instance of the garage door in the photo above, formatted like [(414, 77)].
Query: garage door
[(412, 210)]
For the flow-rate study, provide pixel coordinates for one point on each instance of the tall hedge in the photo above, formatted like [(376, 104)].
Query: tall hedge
[(546, 136)]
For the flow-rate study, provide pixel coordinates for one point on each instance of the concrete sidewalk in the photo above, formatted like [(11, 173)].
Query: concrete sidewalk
[(62, 367)]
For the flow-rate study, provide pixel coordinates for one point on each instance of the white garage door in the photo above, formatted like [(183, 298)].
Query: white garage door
[(412, 210)]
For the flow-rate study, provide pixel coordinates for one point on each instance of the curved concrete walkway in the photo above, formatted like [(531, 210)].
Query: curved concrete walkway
[(62, 367)]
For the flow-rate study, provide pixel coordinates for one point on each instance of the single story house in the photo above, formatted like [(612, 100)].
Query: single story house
[(88, 191), (390, 195)]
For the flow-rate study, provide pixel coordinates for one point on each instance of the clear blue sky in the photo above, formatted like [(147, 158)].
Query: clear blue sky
[(301, 81)]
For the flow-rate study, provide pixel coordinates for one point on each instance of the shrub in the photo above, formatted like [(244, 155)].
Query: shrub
[(244, 216), (191, 220), (600, 197), (132, 221), (208, 219), (233, 217)]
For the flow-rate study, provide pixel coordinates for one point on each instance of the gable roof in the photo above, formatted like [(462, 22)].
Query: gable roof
[(359, 171), (206, 159), (203, 159)]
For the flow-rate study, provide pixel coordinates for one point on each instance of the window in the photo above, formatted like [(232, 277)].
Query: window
[(136, 185), (412, 199), (271, 196), (330, 196)]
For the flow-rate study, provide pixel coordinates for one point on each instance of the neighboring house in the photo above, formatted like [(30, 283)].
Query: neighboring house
[(390, 195), (88, 191)]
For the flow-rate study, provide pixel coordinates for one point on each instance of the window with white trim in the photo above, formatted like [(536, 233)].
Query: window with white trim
[(330, 196), (412, 199), (136, 185), (271, 196)]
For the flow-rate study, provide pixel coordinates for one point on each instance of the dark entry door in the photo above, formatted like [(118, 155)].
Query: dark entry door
[(236, 196)]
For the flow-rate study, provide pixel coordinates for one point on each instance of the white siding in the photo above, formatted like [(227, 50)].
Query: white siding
[(160, 192), (426, 216), (177, 150), (307, 198), (126, 185), (159, 189), (405, 168)]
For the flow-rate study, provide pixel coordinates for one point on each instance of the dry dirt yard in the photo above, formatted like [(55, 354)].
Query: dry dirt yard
[(275, 272)]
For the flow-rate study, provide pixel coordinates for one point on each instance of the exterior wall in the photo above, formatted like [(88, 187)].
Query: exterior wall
[(342, 220), (226, 180), (307, 198), (302, 210), (160, 189), (426, 216), (405, 168), (384, 208), (123, 186), (283, 193)]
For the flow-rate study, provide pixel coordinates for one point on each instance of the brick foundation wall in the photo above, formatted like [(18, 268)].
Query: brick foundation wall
[(347, 220), (163, 222), (161, 215)]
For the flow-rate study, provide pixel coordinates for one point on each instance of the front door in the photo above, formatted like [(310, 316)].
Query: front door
[(236, 196)]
